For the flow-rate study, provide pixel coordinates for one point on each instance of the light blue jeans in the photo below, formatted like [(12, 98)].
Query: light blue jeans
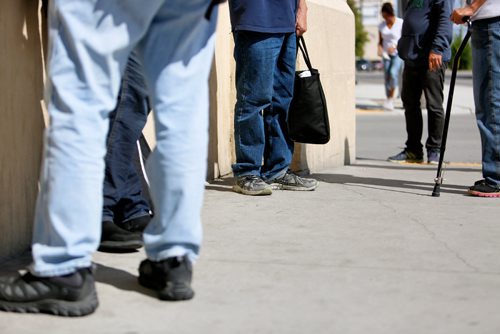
[(89, 44), (392, 68), (486, 80)]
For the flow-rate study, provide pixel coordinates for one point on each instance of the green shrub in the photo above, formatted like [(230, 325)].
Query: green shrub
[(361, 34)]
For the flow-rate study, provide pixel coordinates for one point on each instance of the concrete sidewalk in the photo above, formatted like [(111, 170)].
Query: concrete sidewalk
[(370, 251)]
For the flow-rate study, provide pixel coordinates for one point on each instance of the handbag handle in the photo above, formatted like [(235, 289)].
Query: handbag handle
[(301, 43)]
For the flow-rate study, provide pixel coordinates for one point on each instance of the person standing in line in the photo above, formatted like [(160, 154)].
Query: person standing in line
[(425, 48), (485, 16), (126, 211), (389, 34), (90, 42), (265, 51)]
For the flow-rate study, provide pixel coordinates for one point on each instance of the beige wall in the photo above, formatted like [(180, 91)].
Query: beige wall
[(22, 122), (331, 46)]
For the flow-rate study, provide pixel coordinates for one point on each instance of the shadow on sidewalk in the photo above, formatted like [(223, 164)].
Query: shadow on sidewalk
[(223, 184), (416, 166), (120, 279), (380, 184)]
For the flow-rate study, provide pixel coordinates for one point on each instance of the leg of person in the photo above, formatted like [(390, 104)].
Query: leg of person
[(88, 52), (177, 56), (389, 89), (122, 186), (433, 90), (411, 94), (394, 74), (256, 55), (279, 148), (486, 79)]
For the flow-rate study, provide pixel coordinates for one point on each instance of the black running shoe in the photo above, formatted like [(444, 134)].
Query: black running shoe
[(71, 295), (482, 189), (117, 239), (407, 156), (138, 224), (170, 278), (433, 157)]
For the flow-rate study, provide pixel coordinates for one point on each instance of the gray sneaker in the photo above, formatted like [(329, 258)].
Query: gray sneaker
[(252, 185), (291, 181)]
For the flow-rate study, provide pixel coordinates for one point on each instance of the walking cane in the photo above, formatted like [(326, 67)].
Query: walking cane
[(439, 177)]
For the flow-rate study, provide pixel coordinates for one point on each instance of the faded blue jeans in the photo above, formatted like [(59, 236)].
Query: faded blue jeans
[(486, 80), (392, 68), (265, 71), (123, 199), (90, 42)]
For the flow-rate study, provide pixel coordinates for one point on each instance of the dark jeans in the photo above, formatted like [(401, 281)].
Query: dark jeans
[(415, 81), (265, 69), (123, 199)]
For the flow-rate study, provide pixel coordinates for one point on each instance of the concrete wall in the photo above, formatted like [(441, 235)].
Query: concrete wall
[(330, 41), (22, 121)]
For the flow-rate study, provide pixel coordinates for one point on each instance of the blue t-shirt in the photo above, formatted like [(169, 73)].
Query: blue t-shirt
[(271, 16)]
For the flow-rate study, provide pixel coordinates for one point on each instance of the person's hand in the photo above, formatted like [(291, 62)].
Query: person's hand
[(459, 13), (301, 22), (435, 61), (391, 50)]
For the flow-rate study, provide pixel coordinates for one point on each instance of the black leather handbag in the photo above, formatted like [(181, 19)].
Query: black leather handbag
[(308, 115)]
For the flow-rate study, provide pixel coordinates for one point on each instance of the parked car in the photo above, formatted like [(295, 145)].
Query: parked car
[(363, 65), (377, 65)]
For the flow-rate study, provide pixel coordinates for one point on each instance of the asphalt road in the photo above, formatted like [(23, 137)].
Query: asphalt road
[(381, 134), (464, 78)]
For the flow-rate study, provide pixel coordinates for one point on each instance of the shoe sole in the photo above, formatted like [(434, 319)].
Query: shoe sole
[(263, 192), (120, 246), (55, 307), (170, 292), (481, 194), (407, 161), (279, 186)]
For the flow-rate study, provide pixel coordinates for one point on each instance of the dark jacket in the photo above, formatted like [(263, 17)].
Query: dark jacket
[(426, 27)]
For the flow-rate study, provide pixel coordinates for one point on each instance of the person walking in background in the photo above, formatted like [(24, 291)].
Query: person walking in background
[(485, 16), (90, 42), (265, 52), (425, 48), (389, 34)]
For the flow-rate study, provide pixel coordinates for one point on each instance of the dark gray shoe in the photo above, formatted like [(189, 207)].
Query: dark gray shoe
[(117, 239), (252, 185), (170, 278), (138, 224), (407, 156), (291, 181), (72, 295)]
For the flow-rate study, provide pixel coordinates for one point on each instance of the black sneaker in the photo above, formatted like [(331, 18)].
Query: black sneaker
[(252, 185), (407, 156), (291, 181), (116, 239), (482, 189), (433, 157), (170, 278), (71, 295), (138, 224)]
